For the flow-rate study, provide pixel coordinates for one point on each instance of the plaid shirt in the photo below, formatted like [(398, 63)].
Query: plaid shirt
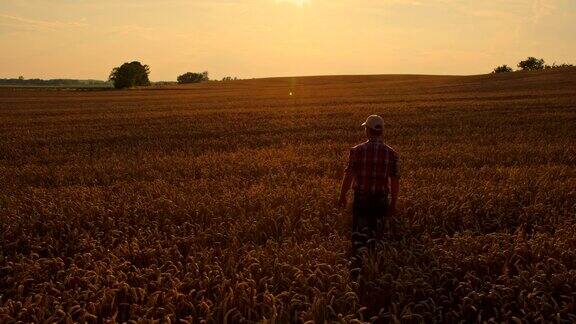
[(372, 163)]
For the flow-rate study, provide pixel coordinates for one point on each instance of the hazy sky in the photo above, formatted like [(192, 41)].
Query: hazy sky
[(259, 38)]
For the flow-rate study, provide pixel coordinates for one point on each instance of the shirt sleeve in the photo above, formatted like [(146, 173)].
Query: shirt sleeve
[(394, 165), (352, 165)]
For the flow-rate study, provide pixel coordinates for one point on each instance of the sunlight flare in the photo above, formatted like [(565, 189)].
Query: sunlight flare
[(298, 3)]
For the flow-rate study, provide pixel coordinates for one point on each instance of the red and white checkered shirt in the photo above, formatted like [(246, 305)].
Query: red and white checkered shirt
[(372, 163)]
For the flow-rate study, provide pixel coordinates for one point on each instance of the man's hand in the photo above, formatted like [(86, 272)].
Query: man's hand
[(346, 183), (342, 201), (392, 211)]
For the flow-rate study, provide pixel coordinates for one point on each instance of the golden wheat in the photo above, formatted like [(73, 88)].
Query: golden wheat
[(216, 203)]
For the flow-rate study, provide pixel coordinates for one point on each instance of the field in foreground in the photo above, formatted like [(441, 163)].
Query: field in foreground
[(216, 202)]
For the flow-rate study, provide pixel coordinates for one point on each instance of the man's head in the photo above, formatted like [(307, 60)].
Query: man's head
[(374, 126)]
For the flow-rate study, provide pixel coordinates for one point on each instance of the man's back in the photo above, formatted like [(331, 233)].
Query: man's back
[(372, 163)]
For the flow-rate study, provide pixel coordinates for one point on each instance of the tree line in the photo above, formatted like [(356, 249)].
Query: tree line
[(21, 81), (134, 74), (530, 64)]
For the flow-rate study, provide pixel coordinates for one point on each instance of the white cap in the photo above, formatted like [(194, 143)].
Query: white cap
[(374, 122)]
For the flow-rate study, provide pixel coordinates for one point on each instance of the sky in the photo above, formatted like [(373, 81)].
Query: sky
[(85, 39)]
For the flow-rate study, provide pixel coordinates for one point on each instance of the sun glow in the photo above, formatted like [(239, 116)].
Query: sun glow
[(299, 3)]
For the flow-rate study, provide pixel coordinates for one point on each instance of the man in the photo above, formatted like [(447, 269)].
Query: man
[(373, 170)]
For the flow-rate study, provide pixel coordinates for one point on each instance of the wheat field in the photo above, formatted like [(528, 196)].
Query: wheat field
[(216, 202)]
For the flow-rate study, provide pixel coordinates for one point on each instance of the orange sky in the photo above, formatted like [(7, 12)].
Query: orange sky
[(260, 38)]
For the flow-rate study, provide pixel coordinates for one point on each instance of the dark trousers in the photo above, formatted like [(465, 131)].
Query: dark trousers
[(368, 216), (369, 212)]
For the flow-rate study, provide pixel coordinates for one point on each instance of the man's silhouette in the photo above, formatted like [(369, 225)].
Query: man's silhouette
[(372, 169)]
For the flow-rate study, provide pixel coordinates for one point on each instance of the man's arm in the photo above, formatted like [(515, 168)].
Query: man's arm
[(351, 169), (346, 183), (394, 188), (394, 175)]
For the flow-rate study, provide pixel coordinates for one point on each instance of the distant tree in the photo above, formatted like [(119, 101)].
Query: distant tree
[(502, 69), (130, 75), (531, 63), (191, 77), (21, 78), (229, 78)]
